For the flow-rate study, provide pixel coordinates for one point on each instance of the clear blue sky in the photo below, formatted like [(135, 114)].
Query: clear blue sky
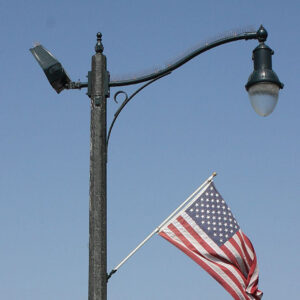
[(166, 142)]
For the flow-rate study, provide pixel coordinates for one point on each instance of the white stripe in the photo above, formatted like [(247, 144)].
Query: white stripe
[(249, 250), (253, 278), (215, 268), (238, 258), (210, 257), (236, 238)]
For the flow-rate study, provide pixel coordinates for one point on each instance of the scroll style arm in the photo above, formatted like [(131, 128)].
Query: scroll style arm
[(188, 57)]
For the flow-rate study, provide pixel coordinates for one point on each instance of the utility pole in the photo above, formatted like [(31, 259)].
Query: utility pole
[(98, 161)]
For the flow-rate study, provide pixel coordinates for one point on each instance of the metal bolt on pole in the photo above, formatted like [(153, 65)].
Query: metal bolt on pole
[(98, 161)]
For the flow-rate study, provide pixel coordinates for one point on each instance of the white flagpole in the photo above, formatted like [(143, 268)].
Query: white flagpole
[(207, 181)]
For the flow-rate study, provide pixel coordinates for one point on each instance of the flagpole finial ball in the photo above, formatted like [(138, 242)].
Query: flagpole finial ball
[(214, 174)]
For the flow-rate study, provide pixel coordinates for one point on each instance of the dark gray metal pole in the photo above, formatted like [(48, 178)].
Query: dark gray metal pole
[(98, 158)]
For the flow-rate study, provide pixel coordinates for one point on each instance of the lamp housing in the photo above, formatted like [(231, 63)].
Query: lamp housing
[(263, 84), (54, 71)]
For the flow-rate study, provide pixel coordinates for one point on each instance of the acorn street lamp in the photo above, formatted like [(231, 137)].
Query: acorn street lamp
[(263, 84), (263, 88)]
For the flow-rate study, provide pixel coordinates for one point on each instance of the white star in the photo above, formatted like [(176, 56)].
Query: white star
[(197, 210), (191, 209), (226, 229), (202, 199), (207, 217), (197, 216), (214, 223), (208, 222), (197, 204), (217, 195), (214, 228), (231, 231), (215, 234), (226, 235), (208, 228), (207, 205), (214, 217), (208, 211), (225, 224), (221, 240), (207, 199), (206, 194), (202, 210), (213, 212), (221, 234), (202, 222)]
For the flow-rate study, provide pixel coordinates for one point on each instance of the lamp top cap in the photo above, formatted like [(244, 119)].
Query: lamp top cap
[(99, 47), (262, 34)]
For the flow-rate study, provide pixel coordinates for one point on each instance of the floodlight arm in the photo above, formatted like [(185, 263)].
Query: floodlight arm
[(76, 85), (260, 35)]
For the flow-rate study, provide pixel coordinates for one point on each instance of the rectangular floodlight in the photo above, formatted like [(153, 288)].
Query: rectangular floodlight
[(52, 68)]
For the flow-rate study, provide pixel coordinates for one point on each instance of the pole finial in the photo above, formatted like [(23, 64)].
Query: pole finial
[(99, 47)]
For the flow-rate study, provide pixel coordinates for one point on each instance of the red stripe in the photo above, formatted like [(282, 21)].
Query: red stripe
[(211, 251), (237, 248), (252, 270), (254, 288), (248, 242), (200, 263), (233, 260), (257, 294), (249, 260)]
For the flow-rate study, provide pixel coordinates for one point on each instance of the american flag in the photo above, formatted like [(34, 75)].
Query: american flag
[(209, 234)]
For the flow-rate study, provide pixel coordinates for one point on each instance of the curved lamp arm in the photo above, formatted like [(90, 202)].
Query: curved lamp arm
[(127, 99), (261, 35)]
